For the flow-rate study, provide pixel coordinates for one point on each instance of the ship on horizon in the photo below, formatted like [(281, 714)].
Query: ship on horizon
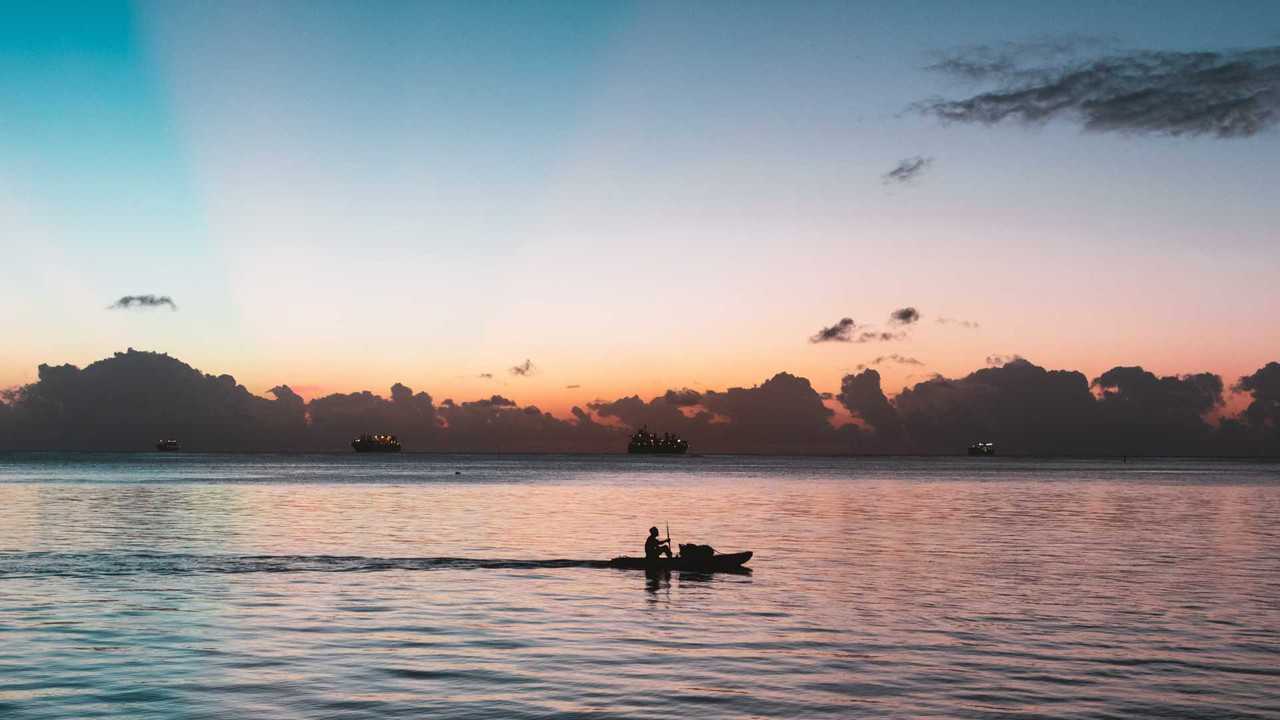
[(376, 443), (982, 449), (647, 443), (169, 445)]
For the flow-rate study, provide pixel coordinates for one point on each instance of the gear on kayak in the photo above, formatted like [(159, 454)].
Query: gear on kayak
[(692, 557)]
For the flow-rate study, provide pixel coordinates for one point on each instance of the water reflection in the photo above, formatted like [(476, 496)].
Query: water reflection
[(1147, 589)]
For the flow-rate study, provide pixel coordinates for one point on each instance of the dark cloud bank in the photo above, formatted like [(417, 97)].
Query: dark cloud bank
[(129, 401), (1228, 94)]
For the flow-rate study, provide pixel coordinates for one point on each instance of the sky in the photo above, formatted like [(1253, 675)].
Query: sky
[(626, 197)]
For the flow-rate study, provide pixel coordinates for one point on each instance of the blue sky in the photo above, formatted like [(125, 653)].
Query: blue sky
[(636, 196)]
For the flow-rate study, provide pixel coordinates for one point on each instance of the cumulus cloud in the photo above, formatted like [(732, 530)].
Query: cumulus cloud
[(784, 414), (862, 395), (999, 360), (133, 399), (840, 332), (907, 170), (1227, 94), (524, 369), (1264, 387), (142, 301), (904, 316), (893, 358), (957, 321), (683, 397)]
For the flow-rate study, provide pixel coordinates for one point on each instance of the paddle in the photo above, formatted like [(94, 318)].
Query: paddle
[(668, 535)]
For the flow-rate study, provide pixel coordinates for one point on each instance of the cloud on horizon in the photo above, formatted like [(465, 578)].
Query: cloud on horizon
[(129, 401), (999, 360), (1227, 94), (142, 301)]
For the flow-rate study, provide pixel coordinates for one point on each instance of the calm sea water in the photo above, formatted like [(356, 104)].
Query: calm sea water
[(205, 586)]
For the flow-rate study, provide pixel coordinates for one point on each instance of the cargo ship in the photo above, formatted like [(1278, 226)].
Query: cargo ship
[(981, 449), (376, 443), (168, 446), (647, 443)]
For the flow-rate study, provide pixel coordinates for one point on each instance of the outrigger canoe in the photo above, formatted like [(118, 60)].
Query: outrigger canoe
[(730, 562)]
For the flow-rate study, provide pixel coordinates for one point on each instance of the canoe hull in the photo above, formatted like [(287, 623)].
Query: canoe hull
[(719, 563)]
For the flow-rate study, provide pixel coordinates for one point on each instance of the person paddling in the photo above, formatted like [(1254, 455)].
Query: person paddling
[(653, 547)]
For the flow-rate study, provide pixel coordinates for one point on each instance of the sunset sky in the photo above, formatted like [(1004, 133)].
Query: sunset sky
[(632, 197)]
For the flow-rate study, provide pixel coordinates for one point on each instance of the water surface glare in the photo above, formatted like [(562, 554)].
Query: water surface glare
[(344, 586)]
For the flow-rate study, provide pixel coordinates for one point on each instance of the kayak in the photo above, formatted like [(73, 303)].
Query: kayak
[(730, 562)]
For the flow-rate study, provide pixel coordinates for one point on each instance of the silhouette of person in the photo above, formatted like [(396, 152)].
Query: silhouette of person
[(653, 547)]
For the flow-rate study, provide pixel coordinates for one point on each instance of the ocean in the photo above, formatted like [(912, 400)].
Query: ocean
[(408, 586)]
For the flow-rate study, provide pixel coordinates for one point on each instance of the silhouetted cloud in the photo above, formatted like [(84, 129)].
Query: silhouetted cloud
[(683, 397), (893, 358), (1141, 413), (957, 321), (840, 332), (907, 170), (1264, 386), (878, 336), (1225, 94), (784, 414), (142, 301), (904, 316), (133, 399), (1009, 60), (862, 395), (524, 369), (998, 360)]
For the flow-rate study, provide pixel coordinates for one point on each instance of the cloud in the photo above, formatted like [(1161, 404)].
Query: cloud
[(142, 301), (862, 395), (784, 414), (131, 400), (495, 401), (1000, 360), (956, 321), (1264, 387), (1010, 60), (485, 376), (840, 332), (524, 369), (907, 170), (572, 387), (683, 397), (1229, 94), (877, 336), (894, 358), (904, 316)]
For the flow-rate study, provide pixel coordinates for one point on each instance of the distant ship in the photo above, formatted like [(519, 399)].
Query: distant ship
[(982, 449), (168, 446), (376, 443), (647, 443)]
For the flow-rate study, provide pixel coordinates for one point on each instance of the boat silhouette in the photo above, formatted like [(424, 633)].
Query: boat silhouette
[(647, 443), (376, 443)]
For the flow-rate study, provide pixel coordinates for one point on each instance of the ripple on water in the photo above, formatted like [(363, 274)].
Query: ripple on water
[(293, 587)]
